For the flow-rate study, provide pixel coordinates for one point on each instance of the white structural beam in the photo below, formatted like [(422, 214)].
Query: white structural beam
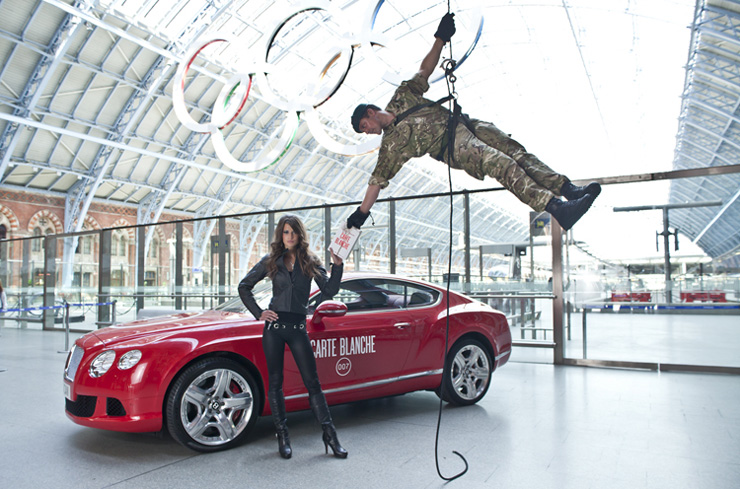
[(153, 154)]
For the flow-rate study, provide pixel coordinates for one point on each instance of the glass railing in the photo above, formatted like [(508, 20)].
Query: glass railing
[(613, 309)]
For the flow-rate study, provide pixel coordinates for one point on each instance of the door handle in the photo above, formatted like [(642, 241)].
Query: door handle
[(402, 325)]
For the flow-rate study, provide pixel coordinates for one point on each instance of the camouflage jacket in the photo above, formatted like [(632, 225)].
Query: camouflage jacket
[(422, 132)]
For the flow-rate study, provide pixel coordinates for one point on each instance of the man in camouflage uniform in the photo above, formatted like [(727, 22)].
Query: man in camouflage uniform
[(480, 148)]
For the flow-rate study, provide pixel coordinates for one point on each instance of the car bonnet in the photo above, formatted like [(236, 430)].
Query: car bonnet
[(165, 325)]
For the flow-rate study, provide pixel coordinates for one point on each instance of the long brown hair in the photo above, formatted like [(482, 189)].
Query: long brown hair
[(304, 257)]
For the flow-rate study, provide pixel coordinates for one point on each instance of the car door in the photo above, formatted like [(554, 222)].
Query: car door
[(369, 345), (427, 333)]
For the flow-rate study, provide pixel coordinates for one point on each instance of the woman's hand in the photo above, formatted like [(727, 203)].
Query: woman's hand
[(335, 259), (268, 315)]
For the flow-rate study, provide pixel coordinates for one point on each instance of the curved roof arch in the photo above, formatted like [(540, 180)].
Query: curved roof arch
[(709, 130)]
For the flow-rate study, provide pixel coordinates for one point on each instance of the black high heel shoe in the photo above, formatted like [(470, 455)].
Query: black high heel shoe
[(331, 440)]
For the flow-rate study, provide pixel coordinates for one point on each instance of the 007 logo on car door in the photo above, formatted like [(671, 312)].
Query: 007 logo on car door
[(343, 366)]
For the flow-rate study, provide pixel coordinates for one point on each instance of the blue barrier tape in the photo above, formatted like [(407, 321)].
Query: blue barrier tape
[(24, 309), (715, 306), (663, 307), (92, 304)]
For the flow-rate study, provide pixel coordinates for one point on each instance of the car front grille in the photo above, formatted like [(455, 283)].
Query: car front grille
[(83, 407), (114, 407), (75, 357)]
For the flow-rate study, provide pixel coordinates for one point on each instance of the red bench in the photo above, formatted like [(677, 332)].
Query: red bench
[(631, 296), (703, 296)]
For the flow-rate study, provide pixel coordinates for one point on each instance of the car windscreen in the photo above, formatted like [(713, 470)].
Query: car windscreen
[(262, 294)]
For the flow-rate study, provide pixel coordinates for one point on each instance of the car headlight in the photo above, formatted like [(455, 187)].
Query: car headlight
[(129, 359), (102, 363)]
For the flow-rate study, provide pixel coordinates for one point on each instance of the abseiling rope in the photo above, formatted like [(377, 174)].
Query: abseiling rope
[(449, 66)]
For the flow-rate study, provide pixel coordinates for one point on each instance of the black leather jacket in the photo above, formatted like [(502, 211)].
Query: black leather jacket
[(289, 291)]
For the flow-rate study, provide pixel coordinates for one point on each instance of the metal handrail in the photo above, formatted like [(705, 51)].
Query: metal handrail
[(497, 295)]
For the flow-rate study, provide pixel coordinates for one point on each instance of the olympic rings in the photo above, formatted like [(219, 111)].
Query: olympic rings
[(395, 78), (304, 104), (178, 91), (225, 111)]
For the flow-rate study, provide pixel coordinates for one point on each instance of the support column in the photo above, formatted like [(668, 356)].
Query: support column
[(667, 258), (327, 236), (557, 290), (178, 265), (480, 261), (223, 245), (429, 263), (25, 279), (140, 264), (68, 260), (50, 275), (466, 238), (392, 234), (104, 271), (270, 229), (4, 260)]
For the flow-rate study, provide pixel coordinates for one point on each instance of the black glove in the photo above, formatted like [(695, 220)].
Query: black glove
[(446, 28), (357, 219)]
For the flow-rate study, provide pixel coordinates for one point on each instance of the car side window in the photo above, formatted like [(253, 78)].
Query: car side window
[(380, 294), (371, 294), (417, 296), (347, 296)]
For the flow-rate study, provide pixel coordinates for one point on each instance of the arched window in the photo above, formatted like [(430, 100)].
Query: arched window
[(154, 248), (3, 231), (119, 244), (87, 244), (36, 244)]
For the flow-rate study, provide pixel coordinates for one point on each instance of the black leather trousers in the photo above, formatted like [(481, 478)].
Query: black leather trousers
[(274, 338)]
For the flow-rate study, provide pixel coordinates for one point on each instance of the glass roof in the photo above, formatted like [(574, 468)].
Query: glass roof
[(593, 88), (607, 76)]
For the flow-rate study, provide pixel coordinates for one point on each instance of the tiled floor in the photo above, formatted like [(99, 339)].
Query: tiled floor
[(540, 426)]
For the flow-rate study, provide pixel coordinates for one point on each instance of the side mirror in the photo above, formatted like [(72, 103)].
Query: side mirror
[(328, 309)]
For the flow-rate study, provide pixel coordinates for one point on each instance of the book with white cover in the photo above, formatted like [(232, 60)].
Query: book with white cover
[(344, 241)]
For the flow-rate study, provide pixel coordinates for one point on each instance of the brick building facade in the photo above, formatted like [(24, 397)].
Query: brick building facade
[(34, 215)]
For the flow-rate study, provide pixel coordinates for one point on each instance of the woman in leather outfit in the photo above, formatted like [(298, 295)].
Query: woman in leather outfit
[(292, 267)]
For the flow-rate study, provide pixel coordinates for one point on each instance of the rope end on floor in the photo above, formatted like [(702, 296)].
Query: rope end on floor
[(449, 479)]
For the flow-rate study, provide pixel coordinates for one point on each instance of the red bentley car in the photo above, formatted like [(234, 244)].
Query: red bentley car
[(203, 376)]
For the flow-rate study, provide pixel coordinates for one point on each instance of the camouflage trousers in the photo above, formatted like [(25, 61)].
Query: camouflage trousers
[(490, 151)]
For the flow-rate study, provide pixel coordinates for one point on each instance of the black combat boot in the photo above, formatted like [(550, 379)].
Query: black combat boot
[(573, 192), (321, 411), (567, 213), (277, 406)]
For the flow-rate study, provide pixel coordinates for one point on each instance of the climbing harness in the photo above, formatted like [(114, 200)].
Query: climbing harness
[(413, 109)]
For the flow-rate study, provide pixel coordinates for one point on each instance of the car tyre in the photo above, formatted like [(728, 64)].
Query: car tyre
[(467, 373), (212, 405)]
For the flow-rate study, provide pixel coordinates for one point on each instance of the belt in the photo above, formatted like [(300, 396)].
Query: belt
[(277, 325)]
